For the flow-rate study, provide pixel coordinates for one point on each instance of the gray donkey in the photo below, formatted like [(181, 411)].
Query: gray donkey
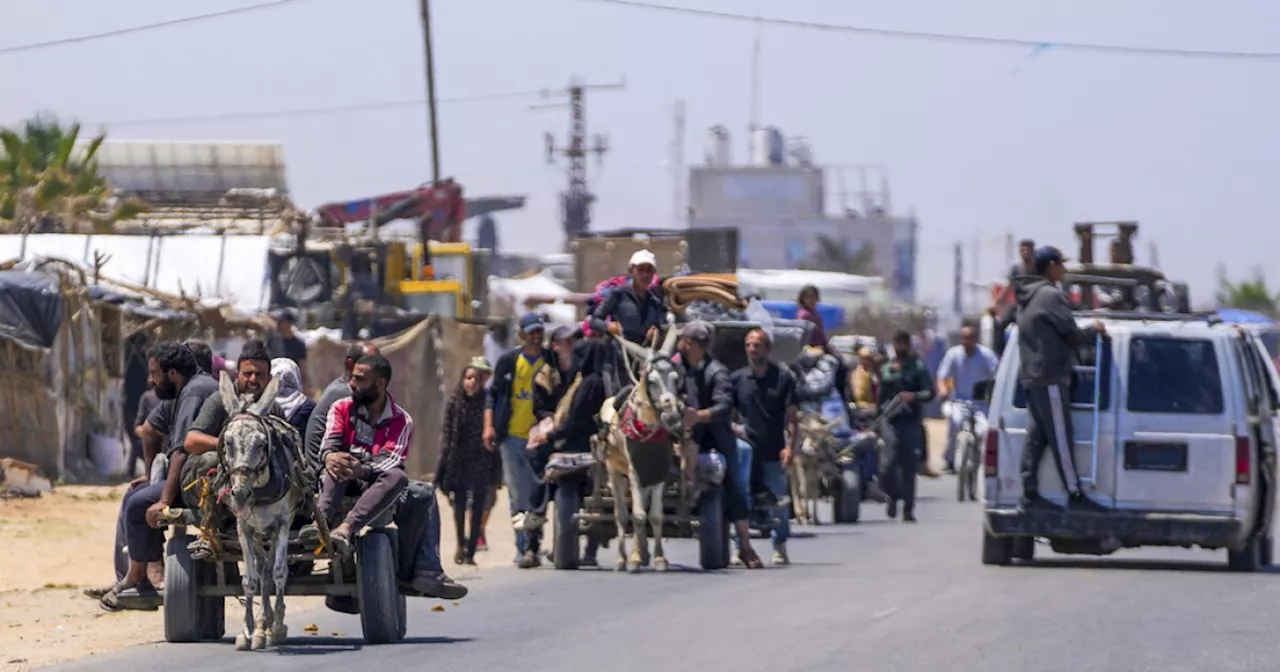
[(267, 487)]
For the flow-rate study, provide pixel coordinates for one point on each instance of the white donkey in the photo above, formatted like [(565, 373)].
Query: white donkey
[(259, 455), (815, 461), (638, 440)]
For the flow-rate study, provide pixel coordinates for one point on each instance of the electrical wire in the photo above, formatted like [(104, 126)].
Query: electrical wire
[(321, 111), (949, 37), (33, 46)]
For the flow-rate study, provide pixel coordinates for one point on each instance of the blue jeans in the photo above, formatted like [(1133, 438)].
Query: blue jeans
[(524, 487), (740, 474), (774, 476)]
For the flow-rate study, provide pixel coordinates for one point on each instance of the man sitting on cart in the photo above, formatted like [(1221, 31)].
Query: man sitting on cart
[(635, 311)]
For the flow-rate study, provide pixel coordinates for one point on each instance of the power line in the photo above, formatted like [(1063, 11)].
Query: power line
[(950, 37), (321, 111), (17, 48)]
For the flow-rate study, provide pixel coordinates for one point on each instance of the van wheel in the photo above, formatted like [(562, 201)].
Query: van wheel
[(996, 550), (1024, 548), (1249, 558)]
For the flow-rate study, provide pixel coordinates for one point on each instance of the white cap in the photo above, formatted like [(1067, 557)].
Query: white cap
[(642, 257)]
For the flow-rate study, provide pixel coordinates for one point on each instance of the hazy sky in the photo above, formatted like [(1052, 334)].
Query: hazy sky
[(979, 140)]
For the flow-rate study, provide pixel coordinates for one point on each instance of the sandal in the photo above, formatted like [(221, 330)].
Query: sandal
[(340, 544), (750, 559), (98, 593), (140, 597)]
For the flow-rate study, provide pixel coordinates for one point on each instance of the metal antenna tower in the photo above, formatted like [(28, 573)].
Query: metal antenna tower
[(676, 165), (575, 202)]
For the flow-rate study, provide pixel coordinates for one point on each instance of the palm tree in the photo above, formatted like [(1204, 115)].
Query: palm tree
[(46, 185), (834, 255), (1249, 295)]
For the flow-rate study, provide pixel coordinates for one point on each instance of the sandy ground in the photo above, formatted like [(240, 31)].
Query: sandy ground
[(54, 546)]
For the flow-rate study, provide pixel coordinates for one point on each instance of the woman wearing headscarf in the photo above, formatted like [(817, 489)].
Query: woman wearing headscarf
[(295, 405), (807, 309), (466, 465)]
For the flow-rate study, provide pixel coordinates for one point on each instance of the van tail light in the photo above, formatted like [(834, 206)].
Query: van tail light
[(991, 452), (1244, 459)]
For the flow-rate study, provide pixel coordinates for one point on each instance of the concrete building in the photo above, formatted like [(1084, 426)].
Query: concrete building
[(778, 202)]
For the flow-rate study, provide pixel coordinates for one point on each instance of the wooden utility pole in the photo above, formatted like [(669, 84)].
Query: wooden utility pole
[(431, 92)]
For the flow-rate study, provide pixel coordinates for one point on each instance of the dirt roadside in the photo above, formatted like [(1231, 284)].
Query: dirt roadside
[(54, 546)]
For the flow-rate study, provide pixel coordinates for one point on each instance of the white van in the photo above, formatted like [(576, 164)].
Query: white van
[(1185, 451)]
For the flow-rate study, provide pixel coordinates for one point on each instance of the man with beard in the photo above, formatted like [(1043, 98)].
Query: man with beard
[(253, 374), (177, 378), (905, 379), (417, 517), (366, 441), (710, 402), (764, 395)]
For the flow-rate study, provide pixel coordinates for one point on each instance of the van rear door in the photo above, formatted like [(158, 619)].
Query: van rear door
[(1014, 419), (1175, 441)]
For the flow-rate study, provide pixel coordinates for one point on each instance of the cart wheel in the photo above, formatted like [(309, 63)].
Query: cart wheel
[(213, 610), (846, 497), (564, 531), (182, 618), (376, 589), (713, 531)]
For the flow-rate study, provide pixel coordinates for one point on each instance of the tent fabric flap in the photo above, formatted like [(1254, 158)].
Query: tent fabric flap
[(31, 308)]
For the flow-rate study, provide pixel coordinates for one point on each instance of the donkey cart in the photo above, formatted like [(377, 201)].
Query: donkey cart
[(195, 590), (584, 507)]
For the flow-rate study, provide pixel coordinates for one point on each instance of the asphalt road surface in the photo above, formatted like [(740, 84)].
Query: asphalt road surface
[(882, 595)]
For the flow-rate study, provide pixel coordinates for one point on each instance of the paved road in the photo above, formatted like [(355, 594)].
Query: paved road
[(880, 594)]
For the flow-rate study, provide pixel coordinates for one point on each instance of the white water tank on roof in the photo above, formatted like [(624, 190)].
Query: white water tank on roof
[(800, 151), (767, 147), (717, 149)]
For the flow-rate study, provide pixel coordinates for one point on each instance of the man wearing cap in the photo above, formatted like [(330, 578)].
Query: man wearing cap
[(1048, 337), (508, 418), (709, 416), (634, 311)]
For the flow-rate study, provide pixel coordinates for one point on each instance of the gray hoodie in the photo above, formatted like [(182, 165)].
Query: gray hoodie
[(1047, 335)]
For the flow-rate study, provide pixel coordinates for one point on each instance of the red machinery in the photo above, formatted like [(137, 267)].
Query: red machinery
[(440, 208)]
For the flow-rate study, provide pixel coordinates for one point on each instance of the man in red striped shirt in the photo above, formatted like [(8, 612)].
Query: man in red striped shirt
[(365, 443)]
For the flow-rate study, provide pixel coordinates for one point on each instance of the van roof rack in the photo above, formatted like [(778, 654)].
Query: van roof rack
[(1209, 317)]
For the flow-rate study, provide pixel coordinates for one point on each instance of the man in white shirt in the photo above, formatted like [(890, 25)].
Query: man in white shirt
[(961, 367)]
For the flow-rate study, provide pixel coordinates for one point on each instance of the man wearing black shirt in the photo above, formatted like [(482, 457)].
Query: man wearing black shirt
[(764, 396), (708, 417), (285, 343)]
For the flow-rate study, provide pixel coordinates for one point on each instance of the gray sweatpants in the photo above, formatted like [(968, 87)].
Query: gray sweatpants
[(1049, 425)]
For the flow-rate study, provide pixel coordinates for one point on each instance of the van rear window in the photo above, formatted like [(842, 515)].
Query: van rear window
[(1082, 384), (1174, 375)]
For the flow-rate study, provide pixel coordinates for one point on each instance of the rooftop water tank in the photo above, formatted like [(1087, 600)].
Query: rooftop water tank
[(717, 149), (767, 147)]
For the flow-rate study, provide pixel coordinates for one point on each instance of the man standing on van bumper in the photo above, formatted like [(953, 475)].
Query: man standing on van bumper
[(1048, 337)]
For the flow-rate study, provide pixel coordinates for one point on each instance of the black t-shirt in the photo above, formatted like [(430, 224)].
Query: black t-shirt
[(761, 402), (290, 347), (175, 416)]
